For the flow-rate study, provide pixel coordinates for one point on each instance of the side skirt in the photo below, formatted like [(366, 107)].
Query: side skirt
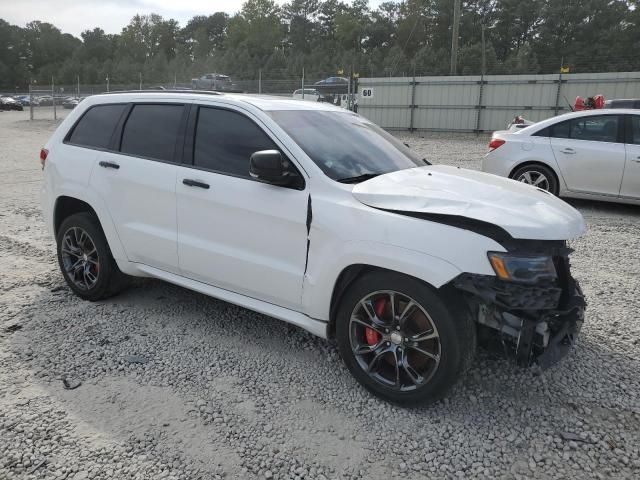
[(316, 327)]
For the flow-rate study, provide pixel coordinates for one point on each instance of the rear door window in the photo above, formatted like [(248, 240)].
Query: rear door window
[(601, 128), (595, 129), (96, 126), (635, 130), (225, 140), (151, 131)]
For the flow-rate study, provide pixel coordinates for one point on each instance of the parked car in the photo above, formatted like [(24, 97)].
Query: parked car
[(592, 154), (518, 123), (27, 101), (47, 101), (332, 85), (214, 81), (71, 103), (310, 95), (10, 103), (343, 101), (333, 81), (622, 103), (316, 216)]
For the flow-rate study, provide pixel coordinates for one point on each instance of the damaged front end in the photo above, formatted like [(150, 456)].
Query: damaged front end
[(533, 303)]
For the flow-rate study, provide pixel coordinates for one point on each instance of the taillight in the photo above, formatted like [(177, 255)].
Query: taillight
[(43, 156), (495, 143)]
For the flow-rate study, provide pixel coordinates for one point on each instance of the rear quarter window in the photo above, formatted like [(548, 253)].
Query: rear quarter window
[(96, 126), (542, 133)]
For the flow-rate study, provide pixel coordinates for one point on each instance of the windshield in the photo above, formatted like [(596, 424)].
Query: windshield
[(345, 146)]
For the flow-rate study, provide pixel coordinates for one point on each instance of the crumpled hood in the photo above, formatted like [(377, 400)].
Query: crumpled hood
[(524, 211)]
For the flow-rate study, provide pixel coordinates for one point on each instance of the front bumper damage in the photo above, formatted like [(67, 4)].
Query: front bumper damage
[(536, 323)]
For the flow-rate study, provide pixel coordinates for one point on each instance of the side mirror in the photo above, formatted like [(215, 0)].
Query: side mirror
[(269, 167)]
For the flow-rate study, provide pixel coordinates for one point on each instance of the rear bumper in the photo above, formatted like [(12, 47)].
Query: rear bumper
[(535, 323), (496, 163)]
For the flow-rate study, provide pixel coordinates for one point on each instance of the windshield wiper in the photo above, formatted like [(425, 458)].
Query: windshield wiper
[(358, 178)]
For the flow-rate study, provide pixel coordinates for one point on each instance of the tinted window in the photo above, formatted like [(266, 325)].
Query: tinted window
[(225, 140), (620, 104), (560, 130), (344, 145), (152, 130), (635, 130), (96, 126), (596, 129), (542, 133)]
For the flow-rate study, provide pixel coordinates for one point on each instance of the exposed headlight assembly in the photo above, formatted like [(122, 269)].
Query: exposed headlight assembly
[(522, 268)]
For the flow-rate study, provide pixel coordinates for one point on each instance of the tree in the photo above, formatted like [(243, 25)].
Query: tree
[(324, 36), (302, 18), (257, 28), (204, 35)]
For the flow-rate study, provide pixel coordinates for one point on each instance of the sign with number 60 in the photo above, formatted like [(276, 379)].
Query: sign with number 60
[(366, 93)]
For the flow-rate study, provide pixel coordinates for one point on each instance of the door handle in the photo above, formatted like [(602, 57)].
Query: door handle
[(109, 165), (568, 151), (637, 159), (195, 183)]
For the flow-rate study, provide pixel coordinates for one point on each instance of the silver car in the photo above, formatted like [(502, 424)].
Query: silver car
[(593, 154)]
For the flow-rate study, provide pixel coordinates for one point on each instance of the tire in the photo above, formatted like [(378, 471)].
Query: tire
[(533, 173), (98, 270), (450, 352)]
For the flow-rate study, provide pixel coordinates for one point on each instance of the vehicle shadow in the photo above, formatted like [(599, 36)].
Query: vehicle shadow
[(606, 208), (167, 321), (258, 371)]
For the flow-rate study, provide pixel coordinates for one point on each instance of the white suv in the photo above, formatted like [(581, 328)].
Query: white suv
[(316, 216)]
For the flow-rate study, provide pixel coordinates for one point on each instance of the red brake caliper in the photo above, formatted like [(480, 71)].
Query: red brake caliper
[(370, 334)]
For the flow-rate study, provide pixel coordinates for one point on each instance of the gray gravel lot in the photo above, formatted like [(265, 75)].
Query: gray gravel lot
[(176, 385)]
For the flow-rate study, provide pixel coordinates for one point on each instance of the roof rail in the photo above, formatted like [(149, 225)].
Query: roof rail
[(205, 92)]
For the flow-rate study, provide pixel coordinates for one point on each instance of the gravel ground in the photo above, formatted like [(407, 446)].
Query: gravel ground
[(176, 385)]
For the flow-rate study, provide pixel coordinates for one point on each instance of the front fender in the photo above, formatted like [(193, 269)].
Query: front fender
[(324, 270)]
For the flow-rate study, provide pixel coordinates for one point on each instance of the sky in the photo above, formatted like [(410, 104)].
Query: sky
[(75, 16)]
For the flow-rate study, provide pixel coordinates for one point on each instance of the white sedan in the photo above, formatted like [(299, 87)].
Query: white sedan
[(592, 154)]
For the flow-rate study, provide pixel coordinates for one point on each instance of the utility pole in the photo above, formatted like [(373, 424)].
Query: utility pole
[(349, 89), (260, 81), (557, 107), (454, 36), (78, 86), (53, 99), (30, 100), (107, 83), (484, 54), (140, 75), (302, 83), (481, 89)]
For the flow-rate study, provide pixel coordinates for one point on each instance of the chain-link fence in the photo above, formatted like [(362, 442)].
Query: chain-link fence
[(475, 103), (55, 100)]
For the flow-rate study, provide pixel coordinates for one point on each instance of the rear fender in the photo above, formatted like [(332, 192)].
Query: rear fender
[(106, 222)]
